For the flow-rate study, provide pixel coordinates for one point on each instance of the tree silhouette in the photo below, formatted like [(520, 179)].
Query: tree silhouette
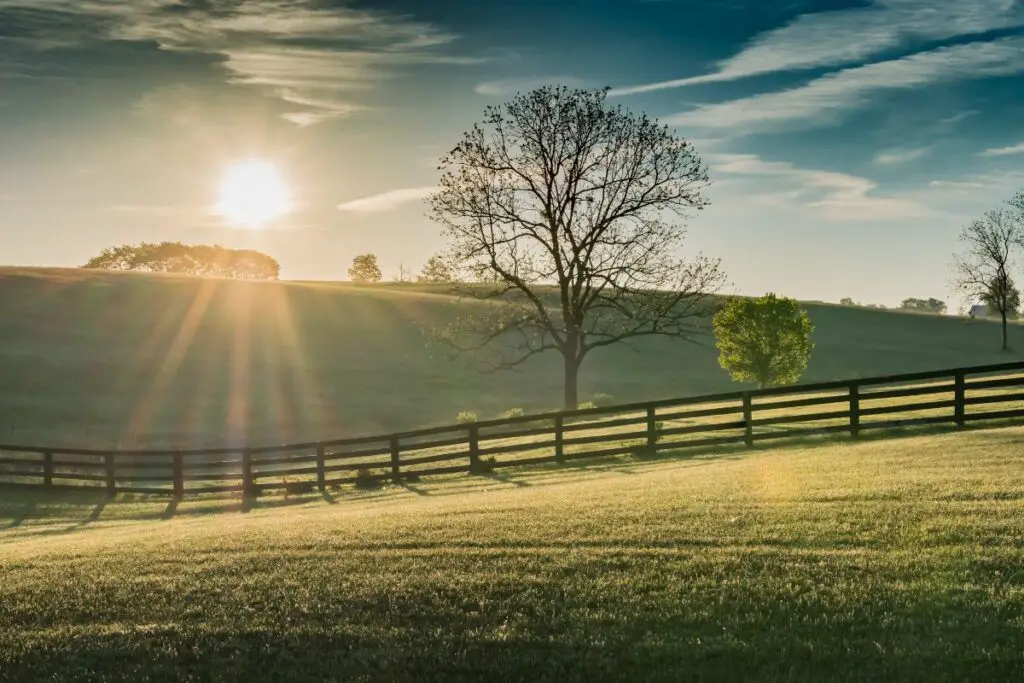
[(573, 209), (437, 269), (983, 269), (364, 269), (194, 259)]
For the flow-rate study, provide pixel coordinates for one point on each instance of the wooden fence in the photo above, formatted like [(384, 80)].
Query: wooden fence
[(960, 396)]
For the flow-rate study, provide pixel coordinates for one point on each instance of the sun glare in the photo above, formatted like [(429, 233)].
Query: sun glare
[(253, 194)]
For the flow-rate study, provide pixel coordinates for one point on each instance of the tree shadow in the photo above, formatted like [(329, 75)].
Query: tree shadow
[(504, 479), (25, 511), (412, 489), (171, 508)]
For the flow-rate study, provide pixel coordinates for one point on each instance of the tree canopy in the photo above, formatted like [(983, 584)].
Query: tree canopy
[(766, 341), (926, 305), (364, 269), (574, 211), (190, 259)]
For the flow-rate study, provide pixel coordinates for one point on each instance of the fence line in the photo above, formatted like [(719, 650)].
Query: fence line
[(958, 396)]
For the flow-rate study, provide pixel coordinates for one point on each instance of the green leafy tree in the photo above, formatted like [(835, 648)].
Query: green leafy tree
[(766, 341), (365, 269), (573, 213)]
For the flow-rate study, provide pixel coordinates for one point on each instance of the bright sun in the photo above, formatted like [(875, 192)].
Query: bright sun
[(252, 194)]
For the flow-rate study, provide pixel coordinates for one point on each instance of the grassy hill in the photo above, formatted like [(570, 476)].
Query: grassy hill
[(885, 560), (104, 359)]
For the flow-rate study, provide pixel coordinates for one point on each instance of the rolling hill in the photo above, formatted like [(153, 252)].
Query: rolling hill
[(96, 359)]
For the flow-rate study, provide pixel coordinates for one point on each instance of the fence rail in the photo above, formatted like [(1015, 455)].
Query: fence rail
[(959, 396)]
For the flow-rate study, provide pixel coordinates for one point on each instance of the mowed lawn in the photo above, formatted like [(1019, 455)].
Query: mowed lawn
[(100, 360), (885, 560)]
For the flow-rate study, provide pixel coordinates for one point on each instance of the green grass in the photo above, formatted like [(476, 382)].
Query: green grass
[(93, 359), (884, 560)]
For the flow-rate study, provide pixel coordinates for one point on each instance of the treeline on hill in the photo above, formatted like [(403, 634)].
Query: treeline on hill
[(188, 259)]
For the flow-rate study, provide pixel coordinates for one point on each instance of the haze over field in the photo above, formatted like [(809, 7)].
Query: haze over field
[(101, 359)]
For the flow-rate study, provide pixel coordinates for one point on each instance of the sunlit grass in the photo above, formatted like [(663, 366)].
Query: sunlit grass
[(886, 560)]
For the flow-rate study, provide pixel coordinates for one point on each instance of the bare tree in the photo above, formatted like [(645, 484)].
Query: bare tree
[(574, 210), (404, 274), (983, 270)]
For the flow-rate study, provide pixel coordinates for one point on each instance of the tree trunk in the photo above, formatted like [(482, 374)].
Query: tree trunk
[(1006, 345), (572, 374)]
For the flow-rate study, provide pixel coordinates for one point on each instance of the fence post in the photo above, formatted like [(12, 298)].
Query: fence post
[(652, 428), (178, 465), (748, 418), (395, 458), (559, 438), (960, 399), (248, 489), (474, 448), (47, 469), (854, 409), (321, 475), (111, 482)]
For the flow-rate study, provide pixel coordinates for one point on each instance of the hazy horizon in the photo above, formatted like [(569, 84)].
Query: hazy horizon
[(848, 142)]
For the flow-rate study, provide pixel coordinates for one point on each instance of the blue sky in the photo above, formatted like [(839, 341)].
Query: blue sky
[(848, 142)]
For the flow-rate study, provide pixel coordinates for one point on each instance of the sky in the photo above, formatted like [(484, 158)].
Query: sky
[(848, 142)]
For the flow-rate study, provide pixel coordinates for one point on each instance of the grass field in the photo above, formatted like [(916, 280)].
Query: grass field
[(884, 560), (91, 359)]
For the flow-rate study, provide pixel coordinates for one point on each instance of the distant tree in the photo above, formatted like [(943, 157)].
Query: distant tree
[(983, 269), (573, 209), (189, 259), (847, 301), (404, 274), (925, 305), (364, 269), (996, 294), (437, 269), (766, 341)]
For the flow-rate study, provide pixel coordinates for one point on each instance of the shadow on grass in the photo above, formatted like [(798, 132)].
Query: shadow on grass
[(701, 645), (25, 511), (504, 479), (23, 505)]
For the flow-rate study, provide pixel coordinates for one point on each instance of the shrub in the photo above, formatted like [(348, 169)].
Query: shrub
[(466, 416), (486, 464), (659, 427), (513, 412), (369, 479), (601, 400), (296, 487)]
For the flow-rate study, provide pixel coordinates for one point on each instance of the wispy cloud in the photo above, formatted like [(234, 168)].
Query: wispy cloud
[(314, 56), (1004, 151), (851, 36), (387, 201), (826, 99), (899, 156), (834, 196), (510, 86)]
